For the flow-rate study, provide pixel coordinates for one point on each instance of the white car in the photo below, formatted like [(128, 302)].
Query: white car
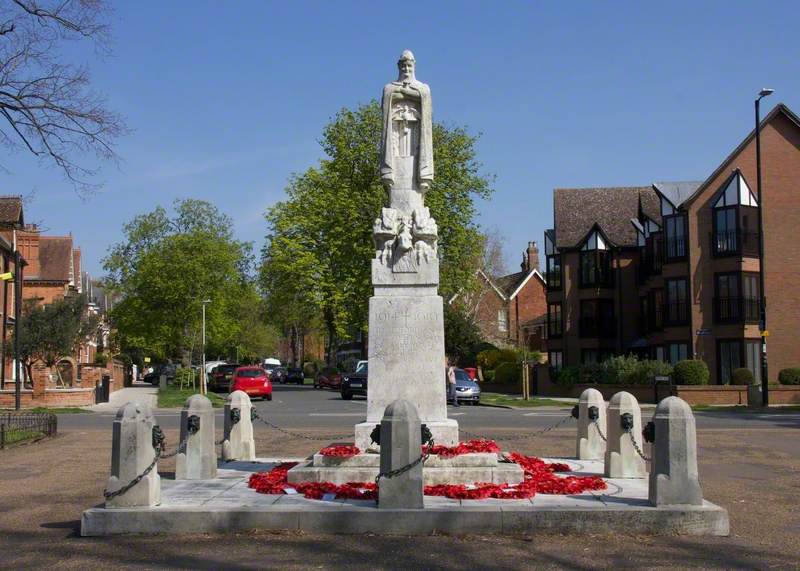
[(272, 361)]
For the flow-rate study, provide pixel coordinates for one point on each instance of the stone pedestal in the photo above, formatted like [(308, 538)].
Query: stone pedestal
[(590, 445), (199, 461), (131, 453), (400, 446), (622, 461), (239, 443), (674, 479)]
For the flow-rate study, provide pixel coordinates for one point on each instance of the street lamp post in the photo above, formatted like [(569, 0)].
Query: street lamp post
[(203, 381), (762, 323)]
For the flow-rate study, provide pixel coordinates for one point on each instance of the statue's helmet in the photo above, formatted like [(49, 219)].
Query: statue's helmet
[(407, 55)]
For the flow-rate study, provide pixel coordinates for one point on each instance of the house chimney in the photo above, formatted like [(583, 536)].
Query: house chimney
[(532, 256)]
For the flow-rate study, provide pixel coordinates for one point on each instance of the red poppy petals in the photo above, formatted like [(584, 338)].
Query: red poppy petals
[(340, 451)]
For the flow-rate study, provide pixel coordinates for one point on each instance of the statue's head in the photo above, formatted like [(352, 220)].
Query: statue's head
[(405, 66)]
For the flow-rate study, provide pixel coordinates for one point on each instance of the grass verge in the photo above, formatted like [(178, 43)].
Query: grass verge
[(739, 408), (174, 397), (16, 436), (515, 401)]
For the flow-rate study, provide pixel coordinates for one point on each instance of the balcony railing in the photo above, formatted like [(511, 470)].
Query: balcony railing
[(598, 328), (734, 242), (736, 309), (676, 248), (677, 313)]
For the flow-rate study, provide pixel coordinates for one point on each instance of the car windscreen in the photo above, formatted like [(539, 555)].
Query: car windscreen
[(361, 369), (461, 375), (250, 373), (225, 369)]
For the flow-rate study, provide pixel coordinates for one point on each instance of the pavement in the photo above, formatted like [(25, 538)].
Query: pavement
[(748, 462), (143, 393)]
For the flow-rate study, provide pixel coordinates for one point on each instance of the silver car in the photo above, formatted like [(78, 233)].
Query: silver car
[(467, 390)]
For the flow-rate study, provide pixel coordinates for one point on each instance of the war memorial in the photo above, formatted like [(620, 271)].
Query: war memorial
[(407, 470)]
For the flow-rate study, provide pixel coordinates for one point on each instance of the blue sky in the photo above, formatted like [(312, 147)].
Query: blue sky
[(227, 99)]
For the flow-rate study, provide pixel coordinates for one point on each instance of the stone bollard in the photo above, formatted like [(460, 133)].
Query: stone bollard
[(591, 445), (621, 460), (239, 443), (400, 445), (132, 452), (162, 382), (673, 478), (198, 461)]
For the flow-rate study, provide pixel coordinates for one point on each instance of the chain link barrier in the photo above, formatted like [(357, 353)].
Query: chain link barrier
[(326, 438), (515, 437), (636, 447), (423, 457), (599, 431)]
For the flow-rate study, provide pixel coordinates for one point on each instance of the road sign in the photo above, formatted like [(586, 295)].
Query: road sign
[(147, 359), (765, 333), (703, 332)]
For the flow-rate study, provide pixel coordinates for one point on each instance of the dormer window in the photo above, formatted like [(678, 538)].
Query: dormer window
[(735, 219), (595, 262)]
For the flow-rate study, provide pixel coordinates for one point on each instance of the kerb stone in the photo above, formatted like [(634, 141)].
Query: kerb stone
[(131, 453), (401, 442), (674, 478), (199, 461), (590, 445), (239, 443), (621, 459)]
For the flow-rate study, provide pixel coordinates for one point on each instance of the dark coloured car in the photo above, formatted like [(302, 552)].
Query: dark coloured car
[(467, 390), (328, 377), (222, 376), (295, 375), (277, 373), (355, 383), (167, 369)]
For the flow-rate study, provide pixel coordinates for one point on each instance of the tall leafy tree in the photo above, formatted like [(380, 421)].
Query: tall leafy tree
[(319, 240), (166, 267)]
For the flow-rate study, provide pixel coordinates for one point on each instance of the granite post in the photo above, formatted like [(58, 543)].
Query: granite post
[(132, 452), (674, 479), (239, 443), (591, 410), (406, 326), (401, 442), (198, 461), (621, 459)]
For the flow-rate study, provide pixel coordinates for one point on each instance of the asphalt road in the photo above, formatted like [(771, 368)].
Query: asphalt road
[(297, 408)]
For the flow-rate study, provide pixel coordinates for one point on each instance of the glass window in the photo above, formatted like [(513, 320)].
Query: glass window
[(556, 359), (554, 272), (589, 356), (502, 320), (677, 300), (752, 354), (595, 262), (675, 233), (678, 352), (554, 327), (730, 359), (659, 353)]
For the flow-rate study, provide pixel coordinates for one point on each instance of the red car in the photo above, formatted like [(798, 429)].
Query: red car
[(328, 377), (252, 380)]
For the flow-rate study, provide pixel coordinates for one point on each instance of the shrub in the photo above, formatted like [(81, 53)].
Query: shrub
[(617, 370), (184, 376), (566, 376), (101, 359), (790, 376), (488, 359), (647, 369), (691, 372), (488, 376), (311, 368), (742, 377), (508, 373)]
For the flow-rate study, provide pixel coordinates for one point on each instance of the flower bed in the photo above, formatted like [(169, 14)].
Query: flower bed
[(540, 477), (340, 451)]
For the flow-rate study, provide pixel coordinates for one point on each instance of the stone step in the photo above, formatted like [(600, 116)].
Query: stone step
[(499, 473), (369, 460)]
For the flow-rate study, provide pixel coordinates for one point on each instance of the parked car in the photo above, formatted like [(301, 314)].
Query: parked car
[(277, 374), (167, 369), (328, 377), (356, 382), (295, 375), (467, 390), (222, 376), (252, 380)]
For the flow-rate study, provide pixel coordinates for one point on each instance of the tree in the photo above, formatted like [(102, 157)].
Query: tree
[(48, 333), (47, 104), (319, 240), (166, 267), (461, 336)]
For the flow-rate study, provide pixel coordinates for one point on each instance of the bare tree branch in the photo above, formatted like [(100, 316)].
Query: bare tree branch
[(48, 104)]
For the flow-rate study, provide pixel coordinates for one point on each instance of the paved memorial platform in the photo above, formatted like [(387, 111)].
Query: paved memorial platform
[(227, 504)]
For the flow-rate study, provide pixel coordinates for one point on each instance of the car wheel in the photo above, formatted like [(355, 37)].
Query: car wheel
[(268, 397), (347, 396)]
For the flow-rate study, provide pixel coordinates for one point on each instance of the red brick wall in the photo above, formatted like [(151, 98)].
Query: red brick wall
[(528, 304)]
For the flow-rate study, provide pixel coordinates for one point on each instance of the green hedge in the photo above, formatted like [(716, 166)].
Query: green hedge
[(508, 373), (490, 359), (691, 372), (627, 370), (790, 376), (742, 377)]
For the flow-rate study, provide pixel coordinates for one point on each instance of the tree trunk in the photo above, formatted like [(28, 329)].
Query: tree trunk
[(331, 344), (185, 349), (293, 343)]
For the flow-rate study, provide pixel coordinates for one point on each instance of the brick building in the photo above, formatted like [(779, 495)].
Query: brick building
[(11, 220), (670, 271), (510, 309)]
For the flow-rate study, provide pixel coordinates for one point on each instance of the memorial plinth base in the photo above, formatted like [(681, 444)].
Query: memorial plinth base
[(462, 469), (445, 432)]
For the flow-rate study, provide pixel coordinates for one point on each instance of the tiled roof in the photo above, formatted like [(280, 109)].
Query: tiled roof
[(10, 209), (509, 284), (677, 192), (55, 255), (577, 210)]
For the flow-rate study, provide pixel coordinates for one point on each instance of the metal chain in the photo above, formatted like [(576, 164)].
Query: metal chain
[(326, 438), (519, 436), (423, 457), (180, 449), (636, 447), (111, 495), (599, 431)]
